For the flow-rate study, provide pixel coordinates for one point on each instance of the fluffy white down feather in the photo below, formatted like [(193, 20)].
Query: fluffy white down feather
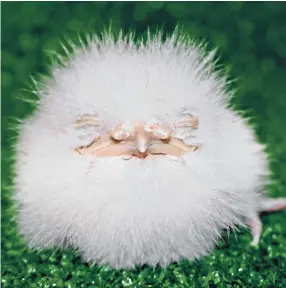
[(141, 211)]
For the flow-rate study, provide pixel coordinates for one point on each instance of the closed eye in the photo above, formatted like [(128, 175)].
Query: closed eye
[(86, 120)]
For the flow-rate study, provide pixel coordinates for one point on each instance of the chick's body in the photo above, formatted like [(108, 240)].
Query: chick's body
[(153, 210)]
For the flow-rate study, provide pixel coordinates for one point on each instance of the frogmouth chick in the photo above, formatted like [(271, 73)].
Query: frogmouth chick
[(194, 169)]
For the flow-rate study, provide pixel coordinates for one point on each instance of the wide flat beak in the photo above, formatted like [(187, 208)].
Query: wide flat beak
[(140, 143)]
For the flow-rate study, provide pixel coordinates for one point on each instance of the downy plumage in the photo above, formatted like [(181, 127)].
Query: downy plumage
[(128, 205)]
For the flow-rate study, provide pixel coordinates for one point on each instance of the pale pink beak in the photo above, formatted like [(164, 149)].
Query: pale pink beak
[(138, 143)]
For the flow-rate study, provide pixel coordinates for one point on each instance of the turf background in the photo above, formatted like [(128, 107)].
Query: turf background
[(252, 41)]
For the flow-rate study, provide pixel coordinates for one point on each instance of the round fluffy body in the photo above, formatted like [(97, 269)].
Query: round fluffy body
[(141, 211)]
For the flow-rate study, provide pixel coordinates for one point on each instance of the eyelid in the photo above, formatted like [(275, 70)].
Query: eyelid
[(188, 121), (88, 120)]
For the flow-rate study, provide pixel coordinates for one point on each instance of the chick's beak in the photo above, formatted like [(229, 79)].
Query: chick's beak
[(139, 143), (142, 139)]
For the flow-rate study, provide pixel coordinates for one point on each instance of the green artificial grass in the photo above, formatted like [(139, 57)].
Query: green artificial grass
[(252, 45)]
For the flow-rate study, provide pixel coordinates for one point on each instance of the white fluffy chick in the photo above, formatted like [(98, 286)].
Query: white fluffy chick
[(134, 157)]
